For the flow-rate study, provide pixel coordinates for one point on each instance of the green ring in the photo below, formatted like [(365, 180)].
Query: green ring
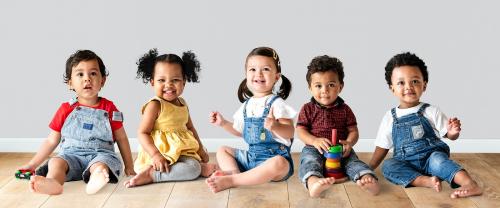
[(335, 149)]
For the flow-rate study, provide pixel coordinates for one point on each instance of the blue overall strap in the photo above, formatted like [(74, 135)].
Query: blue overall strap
[(393, 112), (268, 106), (245, 109), (422, 108)]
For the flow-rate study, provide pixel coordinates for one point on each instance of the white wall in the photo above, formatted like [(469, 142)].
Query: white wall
[(457, 39)]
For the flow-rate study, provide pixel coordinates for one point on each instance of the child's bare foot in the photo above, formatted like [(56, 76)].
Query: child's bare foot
[(208, 168), (466, 191), (318, 185), (222, 173), (98, 179), (42, 185), (368, 183), (428, 181), (144, 177), (219, 183)]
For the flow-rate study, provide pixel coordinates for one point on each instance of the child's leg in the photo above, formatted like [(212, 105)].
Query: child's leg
[(273, 169), (403, 173), (311, 171), (208, 168), (468, 187), (99, 177), (361, 173), (186, 168), (226, 160), (53, 183)]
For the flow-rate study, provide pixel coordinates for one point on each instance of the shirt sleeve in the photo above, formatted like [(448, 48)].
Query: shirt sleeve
[(60, 116), (440, 121), (303, 119), (238, 119), (282, 110), (384, 134), (115, 121), (351, 118)]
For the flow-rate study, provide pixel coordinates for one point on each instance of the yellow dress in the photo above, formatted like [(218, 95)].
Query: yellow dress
[(170, 135)]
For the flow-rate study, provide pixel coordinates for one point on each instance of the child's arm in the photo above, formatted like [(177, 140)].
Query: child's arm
[(454, 128), (321, 144), (282, 127), (351, 140), (149, 117), (48, 146), (201, 151), (217, 119), (377, 157), (124, 146)]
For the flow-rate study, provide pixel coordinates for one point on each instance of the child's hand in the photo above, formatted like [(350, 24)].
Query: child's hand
[(216, 118), (27, 167), (322, 144), (454, 128), (346, 147), (159, 163), (129, 171), (270, 121)]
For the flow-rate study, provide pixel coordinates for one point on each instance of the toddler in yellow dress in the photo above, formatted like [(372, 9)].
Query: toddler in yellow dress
[(170, 147)]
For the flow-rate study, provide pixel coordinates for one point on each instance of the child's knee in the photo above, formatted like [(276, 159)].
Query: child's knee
[(281, 164), (224, 150), (58, 163)]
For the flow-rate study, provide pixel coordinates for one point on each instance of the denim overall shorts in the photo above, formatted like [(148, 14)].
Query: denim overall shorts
[(262, 146), (417, 151)]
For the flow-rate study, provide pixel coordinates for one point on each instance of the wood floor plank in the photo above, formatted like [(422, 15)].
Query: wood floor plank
[(487, 178), (183, 195), (151, 195), (273, 195), (4, 179), (74, 195), (16, 194)]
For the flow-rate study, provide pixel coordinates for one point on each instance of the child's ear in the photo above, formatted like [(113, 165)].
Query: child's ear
[(69, 84), (341, 87), (152, 82), (278, 76), (103, 81), (391, 88), (425, 85)]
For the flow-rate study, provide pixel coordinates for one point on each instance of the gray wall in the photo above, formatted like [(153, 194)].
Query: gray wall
[(458, 41)]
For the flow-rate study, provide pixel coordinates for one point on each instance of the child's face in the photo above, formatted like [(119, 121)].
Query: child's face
[(168, 81), (261, 75), (408, 85), (87, 81), (325, 87)]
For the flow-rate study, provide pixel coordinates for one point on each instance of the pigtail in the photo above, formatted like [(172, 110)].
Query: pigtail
[(190, 66), (243, 92), (146, 64), (285, 87)]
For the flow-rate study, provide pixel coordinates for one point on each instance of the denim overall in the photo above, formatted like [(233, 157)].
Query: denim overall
[(86, 138), (262, 146), (417, 151)]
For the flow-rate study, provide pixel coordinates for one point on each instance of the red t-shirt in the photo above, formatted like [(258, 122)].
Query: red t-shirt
[(320, 121), (62, 113)]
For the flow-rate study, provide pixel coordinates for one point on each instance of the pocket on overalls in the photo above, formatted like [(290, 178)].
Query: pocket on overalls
[(417, 131), (253, 133)]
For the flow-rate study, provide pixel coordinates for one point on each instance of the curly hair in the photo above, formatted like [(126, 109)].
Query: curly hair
[(405, 59), (323, 64), (189, 64), (79, 56), (286, 86)]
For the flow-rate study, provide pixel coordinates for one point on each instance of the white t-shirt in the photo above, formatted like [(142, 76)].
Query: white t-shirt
[(434, 115), (255, 108)]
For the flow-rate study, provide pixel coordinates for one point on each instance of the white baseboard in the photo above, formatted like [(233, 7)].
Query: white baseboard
[(363, 145)]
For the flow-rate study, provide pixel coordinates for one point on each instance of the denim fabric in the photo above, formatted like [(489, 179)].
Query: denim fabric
[(86, 138), (262, 146), (312, 163), (417, 151)]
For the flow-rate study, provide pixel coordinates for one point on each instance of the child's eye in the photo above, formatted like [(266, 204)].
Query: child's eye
[(331, 85), (79, 74), (266, 69), (93, 73), (317, 86), (161, 80), (176, 81), (400, 83), (251, 69), (415, 81)]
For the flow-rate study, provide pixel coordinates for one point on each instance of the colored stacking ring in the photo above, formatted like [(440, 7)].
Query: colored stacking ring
[(336, 170), (331, 165), (335, 149), (333, 155), (335, 175)]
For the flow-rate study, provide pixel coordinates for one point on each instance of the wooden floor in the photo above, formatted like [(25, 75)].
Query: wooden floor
[(485, 168)]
